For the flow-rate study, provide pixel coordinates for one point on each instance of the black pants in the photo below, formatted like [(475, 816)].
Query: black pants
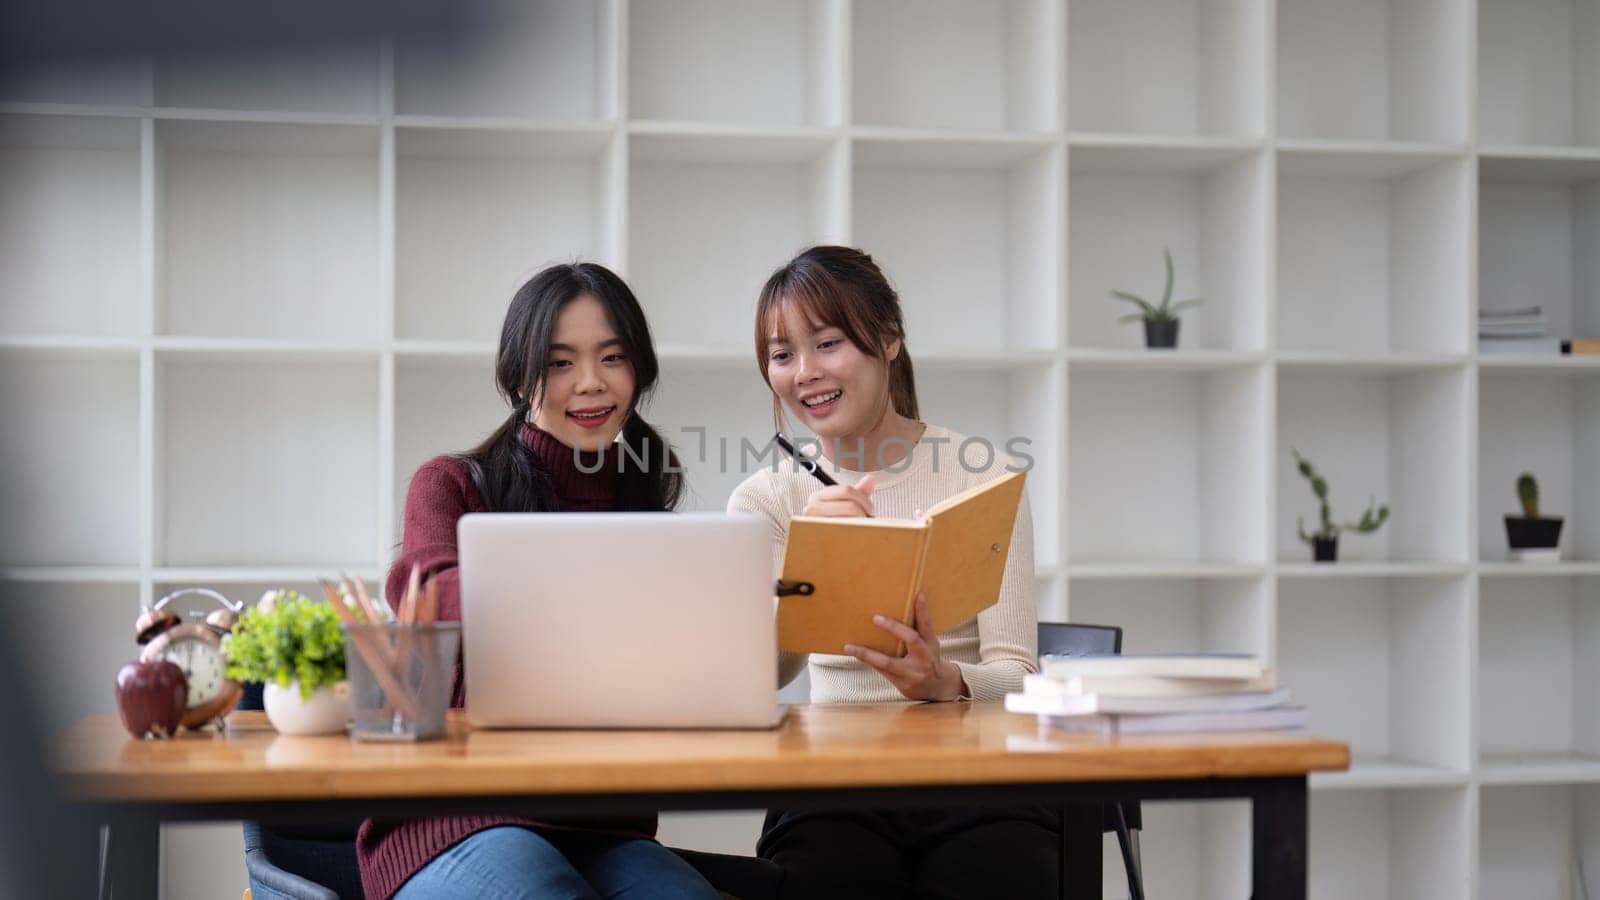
[(905, 854)]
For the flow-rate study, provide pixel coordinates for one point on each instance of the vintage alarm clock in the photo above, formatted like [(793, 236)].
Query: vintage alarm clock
[(196, 648)]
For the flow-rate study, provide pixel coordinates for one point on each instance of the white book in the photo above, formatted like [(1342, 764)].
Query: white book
[(1518, 312), (1513, 332), (1146, 686), (1166, 665), (1539, 345), (1044, 704), (1274, 719)]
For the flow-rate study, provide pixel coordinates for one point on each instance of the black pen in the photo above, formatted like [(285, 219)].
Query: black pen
[(804, 462)]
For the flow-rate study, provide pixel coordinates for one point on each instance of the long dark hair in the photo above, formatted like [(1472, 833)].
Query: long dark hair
[(842, 287), (507, 473)]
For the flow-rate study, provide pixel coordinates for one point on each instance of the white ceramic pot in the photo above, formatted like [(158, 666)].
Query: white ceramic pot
[(327, 711)]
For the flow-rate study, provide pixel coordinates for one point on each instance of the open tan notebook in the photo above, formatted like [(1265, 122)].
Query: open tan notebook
[(838, 572)]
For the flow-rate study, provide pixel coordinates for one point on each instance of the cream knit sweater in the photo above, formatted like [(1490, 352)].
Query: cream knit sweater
[(994, 650)]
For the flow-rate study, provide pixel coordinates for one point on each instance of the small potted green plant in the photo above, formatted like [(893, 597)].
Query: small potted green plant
[(1325, 540), (1532, 536), (292, 646), (1160, 320)]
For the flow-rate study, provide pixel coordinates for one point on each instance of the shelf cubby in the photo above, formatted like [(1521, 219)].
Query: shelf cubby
[(69, 246), (1538, 842), (1537, 647), (250, 592), (106, 81), (72, 442), (968, 233), (1201, 70), (1410, 843), (729, 61), (548, 60), (266, 462), (1539, 239), (1373, 252), (339, 80), (1164, 615), (1210, 207), (709, 220), (1167, 467), (1006, 414), (1374, 70), (1538, 79), (1398, 439), (1548, 425), (302, 264), (1381, 663), (949, 64), (441, 405), (97, 619), (721, 444), (479, 211)]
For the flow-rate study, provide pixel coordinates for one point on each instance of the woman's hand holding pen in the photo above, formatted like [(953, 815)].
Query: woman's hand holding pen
[(920, 674), (842, 500)]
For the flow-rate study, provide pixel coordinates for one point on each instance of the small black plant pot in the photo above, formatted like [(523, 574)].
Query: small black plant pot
[(1524, 533), (1325, 549), (1160, 334)]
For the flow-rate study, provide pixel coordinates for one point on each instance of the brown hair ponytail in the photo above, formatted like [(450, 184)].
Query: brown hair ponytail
[(903, 384)]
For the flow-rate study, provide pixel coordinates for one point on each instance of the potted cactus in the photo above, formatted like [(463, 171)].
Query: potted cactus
[(1532, 536), (1160, 321), (1325, 540)]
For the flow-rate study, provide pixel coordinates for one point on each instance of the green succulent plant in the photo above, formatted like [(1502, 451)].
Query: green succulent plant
[(1528, 494), (1166, 311), (1371, 520), (287, 638)]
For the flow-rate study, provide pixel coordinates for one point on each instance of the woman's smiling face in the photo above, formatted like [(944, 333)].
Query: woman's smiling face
[(589, 382), (824, 379)]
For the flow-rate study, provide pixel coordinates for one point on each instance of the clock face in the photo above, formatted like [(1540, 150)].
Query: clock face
[(202, 665)]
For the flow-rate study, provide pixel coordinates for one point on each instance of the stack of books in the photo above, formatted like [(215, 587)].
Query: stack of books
[(1148, 694), (1522, 330)]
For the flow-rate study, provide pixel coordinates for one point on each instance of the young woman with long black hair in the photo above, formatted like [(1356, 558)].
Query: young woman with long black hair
[(575, 359), (830, 343)]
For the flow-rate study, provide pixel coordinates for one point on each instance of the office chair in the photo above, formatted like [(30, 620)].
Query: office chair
[(318, 862), (1073, 639)]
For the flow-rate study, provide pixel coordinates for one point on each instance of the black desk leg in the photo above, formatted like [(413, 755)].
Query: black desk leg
[(132, 869), (1278, 823), (1081, 827)]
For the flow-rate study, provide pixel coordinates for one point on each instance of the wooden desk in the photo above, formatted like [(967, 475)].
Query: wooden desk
[(853, 755)]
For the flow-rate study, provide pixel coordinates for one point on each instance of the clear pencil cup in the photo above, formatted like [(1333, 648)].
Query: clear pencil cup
[(400, 679)]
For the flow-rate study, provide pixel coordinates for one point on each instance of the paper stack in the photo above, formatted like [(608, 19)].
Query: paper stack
[(1523, 330), (1147, 694)]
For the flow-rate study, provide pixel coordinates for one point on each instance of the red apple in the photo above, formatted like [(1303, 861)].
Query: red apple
[(152, 697)]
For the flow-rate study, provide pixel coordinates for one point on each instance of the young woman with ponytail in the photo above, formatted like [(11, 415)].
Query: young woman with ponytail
[(831, 344), (575, 359)]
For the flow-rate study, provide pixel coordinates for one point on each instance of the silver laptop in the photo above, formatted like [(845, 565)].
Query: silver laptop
[(618, 620)]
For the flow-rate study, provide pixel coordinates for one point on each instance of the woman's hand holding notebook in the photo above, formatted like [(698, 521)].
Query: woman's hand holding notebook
[(840, 572)]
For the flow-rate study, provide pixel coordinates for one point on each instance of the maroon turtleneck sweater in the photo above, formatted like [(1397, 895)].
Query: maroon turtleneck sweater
[(442, 492)]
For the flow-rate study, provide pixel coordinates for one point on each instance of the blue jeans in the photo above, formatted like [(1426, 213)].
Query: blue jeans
[(514, 862)]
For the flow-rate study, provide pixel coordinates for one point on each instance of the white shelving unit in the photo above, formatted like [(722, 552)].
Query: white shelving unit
[(246, 297)]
